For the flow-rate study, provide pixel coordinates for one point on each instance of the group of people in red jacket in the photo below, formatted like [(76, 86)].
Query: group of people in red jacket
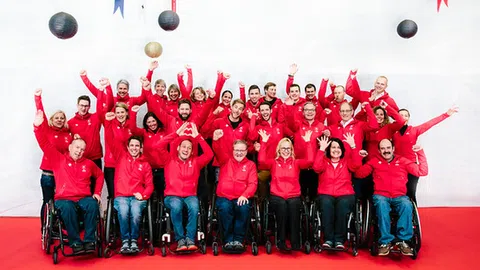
[(313, 147)]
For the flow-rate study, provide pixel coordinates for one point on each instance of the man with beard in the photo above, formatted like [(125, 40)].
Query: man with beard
[(390, 176)]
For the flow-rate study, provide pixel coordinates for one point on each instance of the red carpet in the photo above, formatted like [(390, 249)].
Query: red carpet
[(450, 239)]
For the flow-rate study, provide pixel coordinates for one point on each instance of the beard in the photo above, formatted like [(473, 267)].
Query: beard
[(184, 118)]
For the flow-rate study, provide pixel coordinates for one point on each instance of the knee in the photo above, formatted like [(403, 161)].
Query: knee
[(174, 204), (406, 205), (137, 208), (192, 204), (91, 204)]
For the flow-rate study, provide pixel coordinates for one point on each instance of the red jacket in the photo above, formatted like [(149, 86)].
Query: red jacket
[(276, 107), (154, 100), (181, 177), (405, 142), (336, 181), (185, 90), (353, 90), (355, 127), (120, 133), (390, 178), (59, 137), (236, 178), (285, 173), (130, 101), (72, 178), (299, 128), (131, 175), (374, 137), (150, 140), (230, 135)]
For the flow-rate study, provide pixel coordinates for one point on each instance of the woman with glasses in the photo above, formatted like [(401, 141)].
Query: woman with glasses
[(285, 187), (237, 183)]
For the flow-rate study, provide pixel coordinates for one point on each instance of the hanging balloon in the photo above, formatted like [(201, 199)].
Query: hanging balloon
[(168, 20), (407, 29), (153, 49), (63, 25)]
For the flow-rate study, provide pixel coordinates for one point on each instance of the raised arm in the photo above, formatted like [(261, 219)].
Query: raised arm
[(200, 119), (399, 121), (420, 169), (132, 121), (153, 66), (262, 154), (252, 129), (38, 101), (372, 123), (221, 79), (116, 144), (40, 128), (307, 163), (427, 125), (322, 91), (319, 164), (291, 76), (241, 87), (220, 152), (93, 89), (185, 90), (207, 155)]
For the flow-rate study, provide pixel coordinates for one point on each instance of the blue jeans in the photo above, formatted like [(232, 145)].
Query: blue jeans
[(233, 219), (403, 207), (129, 211), (69, 213), (176, 204)]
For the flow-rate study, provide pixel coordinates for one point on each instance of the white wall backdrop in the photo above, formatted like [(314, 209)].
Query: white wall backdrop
[(255, 41)]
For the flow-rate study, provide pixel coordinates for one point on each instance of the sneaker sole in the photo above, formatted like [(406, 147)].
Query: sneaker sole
[(407, 254)]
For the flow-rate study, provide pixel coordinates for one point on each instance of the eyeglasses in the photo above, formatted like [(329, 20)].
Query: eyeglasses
[(239, 150), (309, 110), (345, 111), (286, 148)]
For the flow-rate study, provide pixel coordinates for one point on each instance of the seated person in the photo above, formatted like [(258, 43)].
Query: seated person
[(133, 185), (336, 197), (182, 171), (390, 176), (285, 186), (237, 182), (73, 174)]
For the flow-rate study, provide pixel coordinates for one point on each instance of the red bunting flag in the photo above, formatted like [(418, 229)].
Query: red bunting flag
[(439, 2)]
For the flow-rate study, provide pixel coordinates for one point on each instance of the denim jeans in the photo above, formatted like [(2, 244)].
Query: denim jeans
[(69, 213), (129, 211), (403, 207), (334, 216), (47, 182), (233, 219), (176, 205)]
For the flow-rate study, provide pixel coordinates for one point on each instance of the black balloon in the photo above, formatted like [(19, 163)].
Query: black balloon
[(168, 20), (63, 25), (407, 29)]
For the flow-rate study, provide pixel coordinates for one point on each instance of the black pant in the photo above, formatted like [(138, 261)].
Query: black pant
[(334, 211), (412, 187), (109, 174), (47, 183), (159, 181), (309, 183), (363, 187), (287, 210), (97, 162)]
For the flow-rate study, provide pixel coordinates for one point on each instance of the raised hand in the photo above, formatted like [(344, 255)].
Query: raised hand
[(350, 139), (288, 101), (363, 153), (194, 130), (38, 92), (327, 133), (218, 110), (328, 111), (76, 136), (83, 72), (187, 66), (104, 82), (264, 135), (383, 104), (135, 108), (153, 65), (145, 83), (307, 136), (182, 128), (324, 142), (226, 76), (417, 148), (241, 85), (211, 94), (293, 69), (38, 118), (109, 116), (256, 146), (452, 110), (364, 104), (217, 134)]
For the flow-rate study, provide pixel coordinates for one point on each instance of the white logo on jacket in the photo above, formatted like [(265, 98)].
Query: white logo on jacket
[(244, 169), (84, 168), (140, 167), (190, 164)]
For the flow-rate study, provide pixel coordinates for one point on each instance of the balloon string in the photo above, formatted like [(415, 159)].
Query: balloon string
[(174, 5)]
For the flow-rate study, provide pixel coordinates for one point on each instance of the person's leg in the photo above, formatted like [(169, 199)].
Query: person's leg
[(294, 205), (68, 213), (326, 205), (309, 184), (242, 217), (382, 208), (193, 209), (97, 162), (412, 187), (89, 207), (344, 205), (279, 208), (47, 182), (404, 208), (109, 174), (175, 204), (159, 181), (122, 205), (262, 188), (225, 217), (136, 210)]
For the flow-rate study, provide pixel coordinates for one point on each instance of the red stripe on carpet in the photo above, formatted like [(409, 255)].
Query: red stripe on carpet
[(449, 242)]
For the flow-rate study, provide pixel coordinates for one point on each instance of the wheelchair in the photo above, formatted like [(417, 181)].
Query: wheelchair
[(253, 230), (415, 242), (112, 230), (53, 225), (165, 227), (269, 220), (354, 228)]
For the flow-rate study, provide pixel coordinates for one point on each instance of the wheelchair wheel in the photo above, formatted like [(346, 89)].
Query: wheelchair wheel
[(254, 249), (415, 254), (107, 253), (150, 250), (268, 247), (47, 228), (108, 223), (215, 249), (417, 228), (55, 256), (203, 247), (164, 250), (308, 248)]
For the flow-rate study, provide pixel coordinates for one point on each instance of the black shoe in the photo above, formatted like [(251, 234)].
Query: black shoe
[(78, 249), (89, 247)]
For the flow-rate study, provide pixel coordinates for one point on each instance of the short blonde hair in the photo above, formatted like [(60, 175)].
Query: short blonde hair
[(280, 143), (50, 120), (123, 106), (192, 94)]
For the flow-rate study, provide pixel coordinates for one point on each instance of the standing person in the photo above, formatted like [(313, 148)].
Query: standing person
[(133, 185), (58, 135), (406, 139), (336, 197), (181, 177), (237, 183), (73, 173), (254, 97), (285, 187), (390, 176)]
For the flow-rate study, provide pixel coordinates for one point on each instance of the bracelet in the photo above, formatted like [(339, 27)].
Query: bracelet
[(353, 147)]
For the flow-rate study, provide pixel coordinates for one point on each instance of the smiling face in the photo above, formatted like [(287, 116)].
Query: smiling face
[(185, 150), (239, 151), (310, 93), (380, 85), (294, 93), (152, 123), (405, 115), (309, 111), (184, 111), (237, 110), (121, 114), (58, 120), (160, 87), (254, 95), (135, 148), (265, 112), (198, 94), (386, 149), (380, 115), (285, 150), (173, 93), (83, 106), (226, 98), (271, 91), (76, 149), (122, 89), (339, 93), (335, 150), (346, 111)]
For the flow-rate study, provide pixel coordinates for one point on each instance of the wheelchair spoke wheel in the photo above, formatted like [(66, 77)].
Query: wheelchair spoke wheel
[(55, 257), (164, 250), (150, 250), (215, 249), (308, 248), (268, 247), (254, 249)]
